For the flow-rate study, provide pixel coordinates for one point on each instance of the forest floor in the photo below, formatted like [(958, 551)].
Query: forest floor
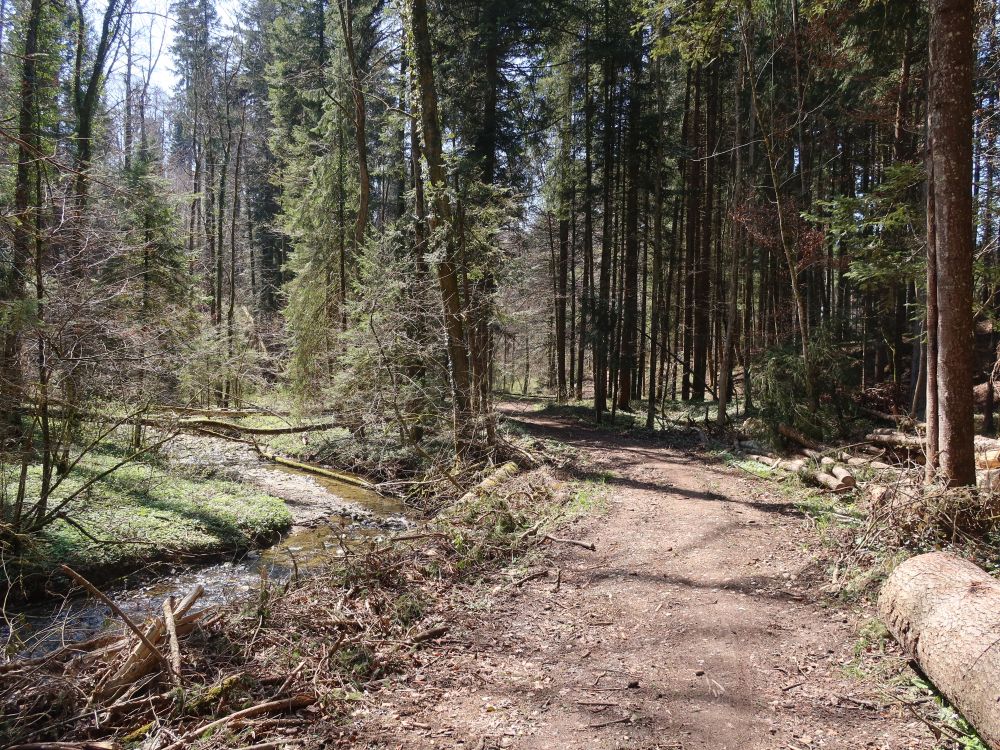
[(699, 622)]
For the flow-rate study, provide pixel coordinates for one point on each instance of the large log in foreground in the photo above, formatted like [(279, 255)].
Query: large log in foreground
[(945, 612)]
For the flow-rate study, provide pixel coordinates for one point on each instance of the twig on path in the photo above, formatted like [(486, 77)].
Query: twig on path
[(430, 634), (859, 702), (622, 720), (574, 542), (531, 577)]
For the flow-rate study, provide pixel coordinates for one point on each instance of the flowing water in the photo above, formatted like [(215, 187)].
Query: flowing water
[(359, 515)]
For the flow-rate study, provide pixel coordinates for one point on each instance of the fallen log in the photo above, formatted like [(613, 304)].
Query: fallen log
[(319, 470), (219, 424), (945, 613), (796, 436), (894, 439)]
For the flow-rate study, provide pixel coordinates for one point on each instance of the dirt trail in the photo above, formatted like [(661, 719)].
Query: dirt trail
[(698, 623)]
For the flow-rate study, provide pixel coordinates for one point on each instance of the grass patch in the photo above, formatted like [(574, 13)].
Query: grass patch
[(589, 496)]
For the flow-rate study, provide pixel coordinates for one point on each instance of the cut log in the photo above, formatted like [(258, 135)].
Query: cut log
[(859, 461), (796, 436), (831, 482), (793, 465), (945, 613), (843, 475)]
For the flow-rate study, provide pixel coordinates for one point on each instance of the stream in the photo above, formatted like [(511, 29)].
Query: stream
[(329, 517)]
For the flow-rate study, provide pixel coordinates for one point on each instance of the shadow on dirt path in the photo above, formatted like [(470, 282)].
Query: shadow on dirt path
[(697, 623)]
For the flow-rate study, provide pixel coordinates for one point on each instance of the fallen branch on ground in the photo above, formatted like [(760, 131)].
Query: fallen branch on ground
[(575, 542), (287, 704)]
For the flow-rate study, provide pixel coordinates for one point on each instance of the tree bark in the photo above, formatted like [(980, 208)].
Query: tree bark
[(630, 260), (950, 107), (360, 128), (943, 611), (13, 280)]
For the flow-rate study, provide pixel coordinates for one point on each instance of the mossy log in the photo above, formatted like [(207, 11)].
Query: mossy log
[(945, 613), (494, 480), (218, 424)]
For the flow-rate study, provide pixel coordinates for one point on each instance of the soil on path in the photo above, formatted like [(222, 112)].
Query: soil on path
[(698, 623)]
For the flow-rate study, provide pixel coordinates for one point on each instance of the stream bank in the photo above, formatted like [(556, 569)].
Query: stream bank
[(318, 518)]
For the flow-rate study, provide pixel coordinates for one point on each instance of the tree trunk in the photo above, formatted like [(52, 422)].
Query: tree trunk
[(13, 280), (630, 261), (446, 272), (950, 108), (602, 318), (360, 128)]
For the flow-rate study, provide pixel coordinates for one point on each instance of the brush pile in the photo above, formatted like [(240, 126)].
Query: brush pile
[(910, 513)]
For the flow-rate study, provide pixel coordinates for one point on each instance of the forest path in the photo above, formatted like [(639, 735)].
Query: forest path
[(697, 623)]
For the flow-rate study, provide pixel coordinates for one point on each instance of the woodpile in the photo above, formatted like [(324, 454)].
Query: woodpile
[(833, 477), (945, 613), (124, 663)]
